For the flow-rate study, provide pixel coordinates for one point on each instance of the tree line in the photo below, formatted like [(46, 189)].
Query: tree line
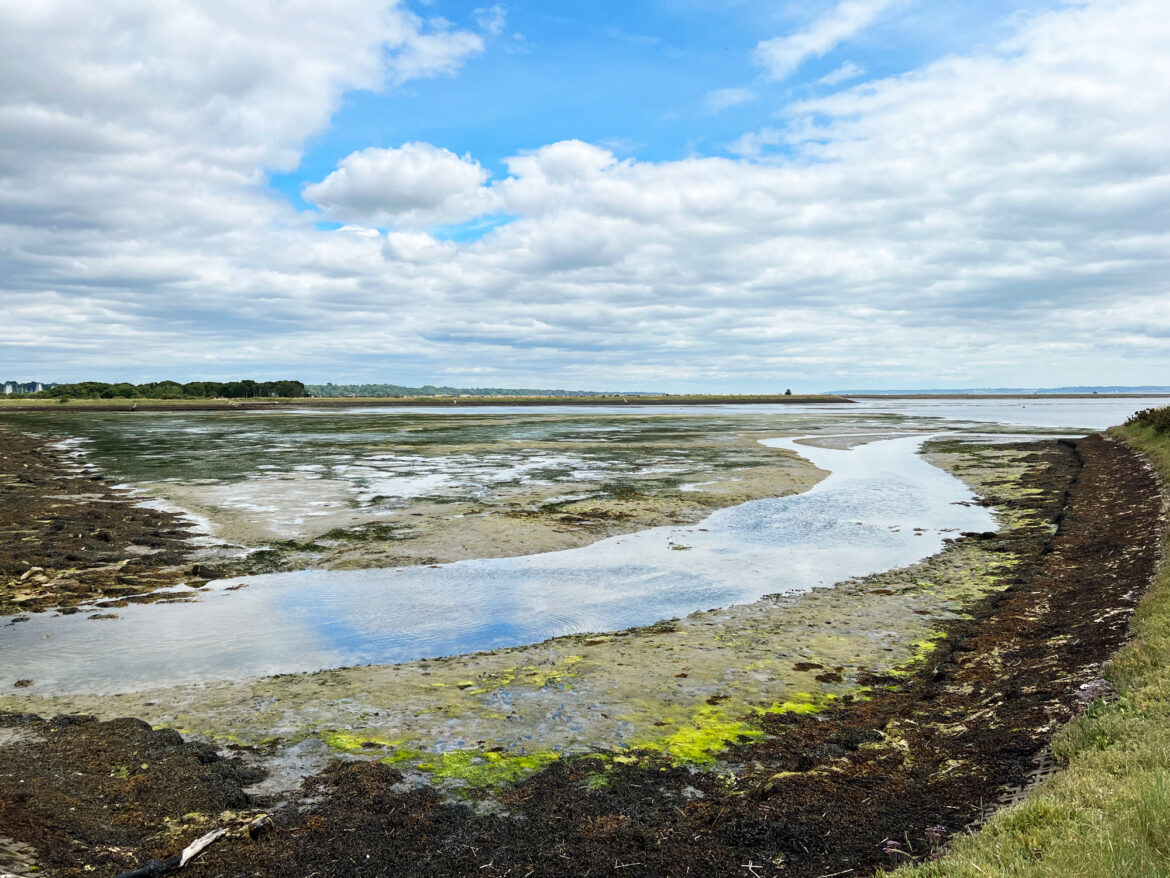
[(246, 389)]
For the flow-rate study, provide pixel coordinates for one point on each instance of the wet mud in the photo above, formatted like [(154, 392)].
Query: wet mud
[(281, 492), (673, 479), (841, 786), (67, 537)]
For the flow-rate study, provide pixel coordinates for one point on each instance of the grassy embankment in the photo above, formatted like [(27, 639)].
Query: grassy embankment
[(1108, 814), (25, 404)]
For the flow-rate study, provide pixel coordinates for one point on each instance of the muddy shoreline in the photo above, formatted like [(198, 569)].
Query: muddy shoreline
[(820, 794), (72, 538), (67, 537)]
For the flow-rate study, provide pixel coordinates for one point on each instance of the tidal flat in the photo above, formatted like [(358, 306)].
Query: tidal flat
[(374, 488), (705, 706), (408, 490), (321, 489)]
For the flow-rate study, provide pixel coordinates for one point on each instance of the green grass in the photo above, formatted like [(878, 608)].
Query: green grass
[(1108, 814)]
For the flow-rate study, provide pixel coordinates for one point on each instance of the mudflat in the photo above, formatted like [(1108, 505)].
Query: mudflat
[(69, 537), (411, 490)]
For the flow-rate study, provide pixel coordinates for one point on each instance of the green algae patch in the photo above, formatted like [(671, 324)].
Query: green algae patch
[(529, 676), (695, 738), (920, 651), (402, 756), (801, 702), (474, 768), (710, 732), (348, 742), (480, 768)]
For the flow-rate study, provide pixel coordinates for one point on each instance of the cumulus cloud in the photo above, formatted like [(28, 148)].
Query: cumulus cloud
[(236, 86), (782, 55), (135, 142), (563, 162), (1000, 218), (417, 247), (417, 184)]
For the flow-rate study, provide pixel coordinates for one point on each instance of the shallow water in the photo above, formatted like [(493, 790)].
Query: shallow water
[(1065, 413), (1078, 414), (881, 507)]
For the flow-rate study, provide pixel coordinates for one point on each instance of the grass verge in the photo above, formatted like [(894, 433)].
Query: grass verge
[(1108, 814)]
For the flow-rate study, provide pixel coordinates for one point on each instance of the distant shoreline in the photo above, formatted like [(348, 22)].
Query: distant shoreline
[(212, 405), (193, 405)]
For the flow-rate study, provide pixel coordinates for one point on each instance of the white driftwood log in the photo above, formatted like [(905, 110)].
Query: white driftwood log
[(194, 848)]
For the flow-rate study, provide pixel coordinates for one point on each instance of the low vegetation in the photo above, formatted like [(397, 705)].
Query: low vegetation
[(1150, 424), (168, 390), (1108, 813)]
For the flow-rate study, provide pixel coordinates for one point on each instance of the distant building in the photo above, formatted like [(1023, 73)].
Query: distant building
[(11, 387)]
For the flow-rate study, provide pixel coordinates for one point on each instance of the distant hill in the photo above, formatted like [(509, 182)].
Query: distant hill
[(431, 390), (952, 391)]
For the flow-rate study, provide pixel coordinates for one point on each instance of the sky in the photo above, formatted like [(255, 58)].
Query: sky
[(668, 195)]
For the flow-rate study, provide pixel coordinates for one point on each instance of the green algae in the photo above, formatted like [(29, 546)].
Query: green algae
[(530, 676), (477, 768), (403, 755), (348, 742), (920, 651), (709, 731), (801, 702)]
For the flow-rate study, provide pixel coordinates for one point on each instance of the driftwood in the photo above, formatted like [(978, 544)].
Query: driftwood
[(178, 861)]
